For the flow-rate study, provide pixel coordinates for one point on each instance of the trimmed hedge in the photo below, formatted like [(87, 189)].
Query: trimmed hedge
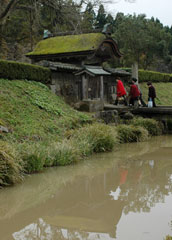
[(15, 70), (152, 76), (145, 76)]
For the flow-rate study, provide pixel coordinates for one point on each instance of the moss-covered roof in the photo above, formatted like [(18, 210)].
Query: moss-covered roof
[(70, 43)]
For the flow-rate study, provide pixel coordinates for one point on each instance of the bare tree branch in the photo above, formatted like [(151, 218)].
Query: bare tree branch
[(7, 9)]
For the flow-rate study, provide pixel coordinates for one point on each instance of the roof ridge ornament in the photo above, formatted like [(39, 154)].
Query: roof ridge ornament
[(107, 29)]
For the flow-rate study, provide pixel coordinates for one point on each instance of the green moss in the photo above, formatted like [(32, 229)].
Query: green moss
[(70, 43)]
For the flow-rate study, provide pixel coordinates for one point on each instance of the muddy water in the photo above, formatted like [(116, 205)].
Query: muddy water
[(123, 195)]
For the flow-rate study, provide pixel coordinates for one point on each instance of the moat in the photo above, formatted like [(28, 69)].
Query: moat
[(125, 194)]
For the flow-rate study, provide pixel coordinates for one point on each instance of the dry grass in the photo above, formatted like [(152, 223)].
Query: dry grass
[(10, 165)]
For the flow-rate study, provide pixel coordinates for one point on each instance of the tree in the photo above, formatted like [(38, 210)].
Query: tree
[(89, 17), (101, 17), (142, 40), (6, 6), (25, 20), (5, 9)]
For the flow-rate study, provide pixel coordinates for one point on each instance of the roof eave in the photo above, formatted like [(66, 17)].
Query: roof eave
[(60, 55)]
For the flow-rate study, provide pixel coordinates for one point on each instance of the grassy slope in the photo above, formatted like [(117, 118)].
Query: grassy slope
[(41, 131), (163, 91), (33, 113)]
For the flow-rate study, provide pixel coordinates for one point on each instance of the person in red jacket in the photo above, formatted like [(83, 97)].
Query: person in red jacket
[(133, 94), (120, 91)]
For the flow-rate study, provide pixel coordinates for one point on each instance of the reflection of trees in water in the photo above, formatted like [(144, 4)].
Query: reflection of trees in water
[(39, 230), (146, 185), (43, 231)]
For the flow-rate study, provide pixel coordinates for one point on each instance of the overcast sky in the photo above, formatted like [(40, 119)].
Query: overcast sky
[(161, 9)]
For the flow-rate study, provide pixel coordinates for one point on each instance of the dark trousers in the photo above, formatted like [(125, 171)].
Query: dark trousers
[(141, 101), (134, 101), (125, 100)]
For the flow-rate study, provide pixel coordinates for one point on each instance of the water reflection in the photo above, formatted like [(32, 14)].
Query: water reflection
[(87, 201), (42, 230)]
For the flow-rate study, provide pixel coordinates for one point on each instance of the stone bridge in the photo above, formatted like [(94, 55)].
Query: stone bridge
[(160, 113)]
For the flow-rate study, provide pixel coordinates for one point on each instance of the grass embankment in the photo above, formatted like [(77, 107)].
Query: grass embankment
[(163, 92), (44, 131)]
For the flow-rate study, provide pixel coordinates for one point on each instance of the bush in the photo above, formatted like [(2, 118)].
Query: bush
[(83, 144), (103, 137), (98, 138), (15, 70), (33, 156), (65, 153), (128, 133), (80, 143), (10, 165), (38, 156), (34, 163), (151, 125)]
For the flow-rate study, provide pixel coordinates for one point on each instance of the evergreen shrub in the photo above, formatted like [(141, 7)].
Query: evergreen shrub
[(15, 70)]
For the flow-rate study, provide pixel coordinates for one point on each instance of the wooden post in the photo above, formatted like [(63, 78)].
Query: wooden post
[(101, 88), (97, 87), (84, 87), (135, 70)]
